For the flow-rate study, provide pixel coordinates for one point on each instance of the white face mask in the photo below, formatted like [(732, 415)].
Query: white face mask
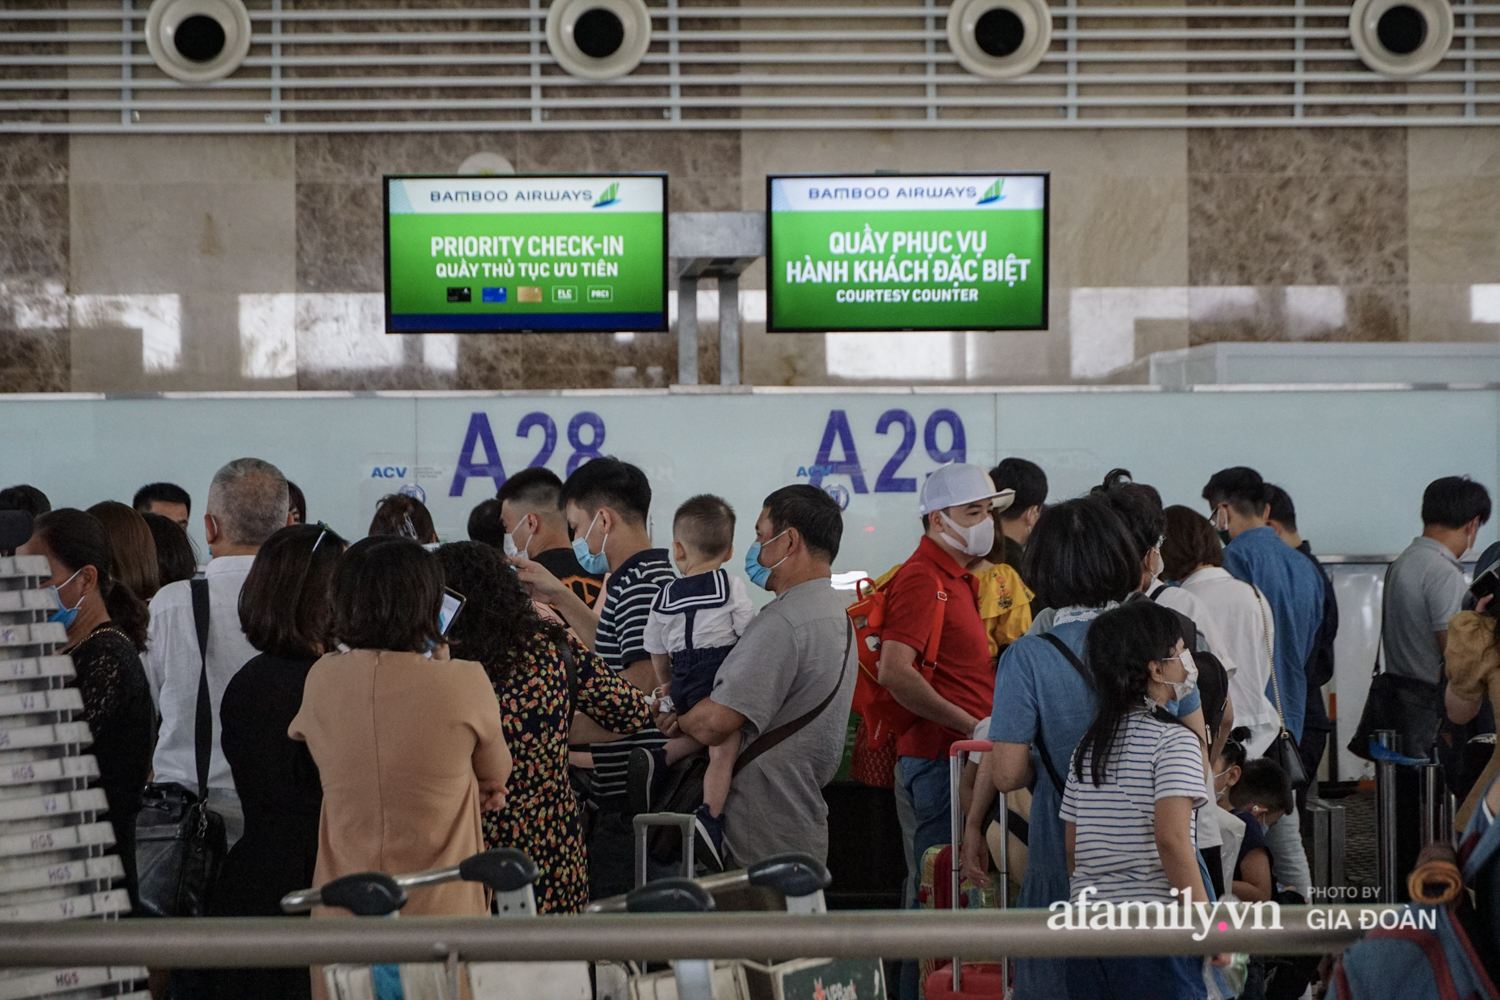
[(1181, 689), (976, 540), (1154, 562), (510, 544)]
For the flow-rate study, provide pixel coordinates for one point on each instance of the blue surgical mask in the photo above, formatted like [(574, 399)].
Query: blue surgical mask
[(592, 562), (65, 616), (758, 574)]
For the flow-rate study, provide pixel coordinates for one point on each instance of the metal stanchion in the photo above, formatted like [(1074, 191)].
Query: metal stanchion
[(1385, 812), (1433, 802)]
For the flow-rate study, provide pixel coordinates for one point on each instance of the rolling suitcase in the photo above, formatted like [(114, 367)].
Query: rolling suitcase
[(957, 978)]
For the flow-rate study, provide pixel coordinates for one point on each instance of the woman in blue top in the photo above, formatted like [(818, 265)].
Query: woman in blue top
[(1082, 561)]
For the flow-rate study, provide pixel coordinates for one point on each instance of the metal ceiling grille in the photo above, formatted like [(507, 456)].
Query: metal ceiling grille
[(335, 66)]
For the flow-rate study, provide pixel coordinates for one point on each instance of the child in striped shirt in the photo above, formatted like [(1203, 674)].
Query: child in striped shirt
[(1135, 779)]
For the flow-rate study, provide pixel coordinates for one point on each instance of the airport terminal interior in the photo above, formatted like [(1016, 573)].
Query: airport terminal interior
[(749, 500)]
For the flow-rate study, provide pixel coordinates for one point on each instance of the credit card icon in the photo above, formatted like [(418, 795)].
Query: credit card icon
[(528, 293), (493, 295), (460, 295)]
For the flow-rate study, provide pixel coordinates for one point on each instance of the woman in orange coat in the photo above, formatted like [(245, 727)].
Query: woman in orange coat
[(408, 745)]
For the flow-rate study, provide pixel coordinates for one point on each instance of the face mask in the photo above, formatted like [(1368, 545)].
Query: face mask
[(510, 544), (758, 574), (1181, 689), (1222, 532), (977, 540), (65, 616), (1155, 563), (592, 562)]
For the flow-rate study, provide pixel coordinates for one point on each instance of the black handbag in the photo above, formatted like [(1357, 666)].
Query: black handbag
[(1283, 749), (1410, 706), (180, 842)]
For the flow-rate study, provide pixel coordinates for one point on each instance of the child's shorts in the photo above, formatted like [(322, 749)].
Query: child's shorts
[(693, 673)]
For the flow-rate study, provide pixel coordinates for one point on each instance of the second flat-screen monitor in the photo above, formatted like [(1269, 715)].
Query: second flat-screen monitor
[(521, 253), (907, 252)]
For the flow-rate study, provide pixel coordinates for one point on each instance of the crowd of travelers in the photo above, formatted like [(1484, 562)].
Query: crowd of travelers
[(1150, 678)]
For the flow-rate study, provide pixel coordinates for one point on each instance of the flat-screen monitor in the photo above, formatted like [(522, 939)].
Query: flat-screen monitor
[(537, 253), (906, 252)]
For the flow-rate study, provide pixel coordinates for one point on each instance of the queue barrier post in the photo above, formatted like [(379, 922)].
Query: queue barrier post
[(1385, 811)]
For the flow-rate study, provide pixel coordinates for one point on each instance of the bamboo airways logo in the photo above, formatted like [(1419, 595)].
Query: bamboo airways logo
[(609, 196), (1200, 917), (993, 194)]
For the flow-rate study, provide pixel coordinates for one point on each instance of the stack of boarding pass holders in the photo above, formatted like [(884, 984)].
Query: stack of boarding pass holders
[(56, 842)]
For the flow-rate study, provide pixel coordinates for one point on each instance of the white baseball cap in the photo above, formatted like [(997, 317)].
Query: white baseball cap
[(956, 484)]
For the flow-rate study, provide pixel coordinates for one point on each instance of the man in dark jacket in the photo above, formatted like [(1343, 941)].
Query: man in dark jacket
[(1319, 668)]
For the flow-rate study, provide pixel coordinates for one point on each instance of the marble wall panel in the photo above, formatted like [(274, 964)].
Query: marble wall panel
[(167, 233), (1454, 207), (34, 245), (1298, 234), (1262, 234)]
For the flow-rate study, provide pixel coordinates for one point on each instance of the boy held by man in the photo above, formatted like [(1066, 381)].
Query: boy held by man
[(694, 623)]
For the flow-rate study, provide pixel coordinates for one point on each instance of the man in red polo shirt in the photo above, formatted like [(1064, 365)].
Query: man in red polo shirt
[(956, 506)]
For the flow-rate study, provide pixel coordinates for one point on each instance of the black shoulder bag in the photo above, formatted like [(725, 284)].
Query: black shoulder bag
[(1409, 705), (180, 842), (1283, 749)]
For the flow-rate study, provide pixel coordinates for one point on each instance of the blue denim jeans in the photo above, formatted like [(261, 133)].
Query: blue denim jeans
[(1178, 977), (926, 783)]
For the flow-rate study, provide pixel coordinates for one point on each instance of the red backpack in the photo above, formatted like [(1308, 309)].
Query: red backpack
[(882, 717)]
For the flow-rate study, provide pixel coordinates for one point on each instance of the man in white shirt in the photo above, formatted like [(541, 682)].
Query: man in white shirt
[(248, 502)]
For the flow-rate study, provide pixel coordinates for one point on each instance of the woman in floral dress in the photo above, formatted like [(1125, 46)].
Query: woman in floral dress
[(527, 659)]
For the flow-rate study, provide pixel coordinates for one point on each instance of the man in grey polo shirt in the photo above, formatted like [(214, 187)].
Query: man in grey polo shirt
[(1426, 584), (794, 667), (1425, 588)]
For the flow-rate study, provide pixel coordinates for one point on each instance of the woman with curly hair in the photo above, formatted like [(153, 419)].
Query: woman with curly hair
[(542, 676)]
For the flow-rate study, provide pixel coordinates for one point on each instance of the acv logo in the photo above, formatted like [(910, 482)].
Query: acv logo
[(388, 472)]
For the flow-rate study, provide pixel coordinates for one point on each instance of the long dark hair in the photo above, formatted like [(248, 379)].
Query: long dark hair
[(1119, 648), (284, 604), (77, 539), (498, 625)]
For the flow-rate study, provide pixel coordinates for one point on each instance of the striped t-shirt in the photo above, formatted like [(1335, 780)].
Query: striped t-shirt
[(1115, 842), (620, 641)]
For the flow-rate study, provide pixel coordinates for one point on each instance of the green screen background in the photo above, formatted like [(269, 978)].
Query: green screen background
[(416, 288), (810, 305)]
